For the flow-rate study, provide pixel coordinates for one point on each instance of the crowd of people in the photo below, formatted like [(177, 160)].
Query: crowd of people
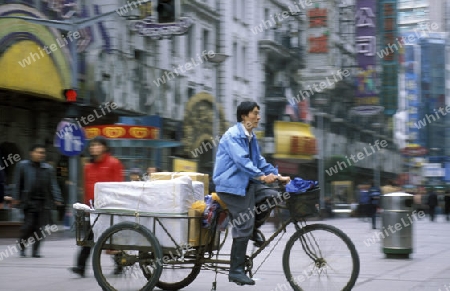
[(368, 205)]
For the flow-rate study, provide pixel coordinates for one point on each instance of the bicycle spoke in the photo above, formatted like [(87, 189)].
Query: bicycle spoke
[(328, 247)]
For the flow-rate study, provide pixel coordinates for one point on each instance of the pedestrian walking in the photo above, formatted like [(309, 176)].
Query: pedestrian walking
[(447, 205), (364, 201), (102, 168), (374, 194), (432, 203), (238, 173), (36, 192)]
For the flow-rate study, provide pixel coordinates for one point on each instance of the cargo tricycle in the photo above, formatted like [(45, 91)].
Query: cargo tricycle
[(148, 253)]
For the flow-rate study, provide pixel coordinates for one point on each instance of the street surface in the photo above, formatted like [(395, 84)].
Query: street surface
[(428, 268)]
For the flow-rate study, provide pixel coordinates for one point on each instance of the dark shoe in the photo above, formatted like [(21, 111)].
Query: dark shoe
[(258, 238), (22, 254), (237, 264), (77, 270), (36, 256), (118, 270)]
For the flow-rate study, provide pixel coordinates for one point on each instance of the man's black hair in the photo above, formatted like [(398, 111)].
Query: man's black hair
[(244, 109), (37, 146)]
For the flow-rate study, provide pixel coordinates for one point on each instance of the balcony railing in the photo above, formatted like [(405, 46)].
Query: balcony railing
[(282, 42)]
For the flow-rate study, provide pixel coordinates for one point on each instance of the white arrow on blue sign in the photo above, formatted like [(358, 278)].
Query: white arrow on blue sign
[(71, 140)]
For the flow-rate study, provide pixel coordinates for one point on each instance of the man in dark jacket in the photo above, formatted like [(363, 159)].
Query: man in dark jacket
[(36, 191), (432, 203)]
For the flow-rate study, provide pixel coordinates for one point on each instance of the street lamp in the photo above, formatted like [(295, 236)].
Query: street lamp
[(216, 59)]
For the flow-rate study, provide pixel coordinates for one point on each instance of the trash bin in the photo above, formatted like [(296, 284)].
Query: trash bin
[(397, 224)]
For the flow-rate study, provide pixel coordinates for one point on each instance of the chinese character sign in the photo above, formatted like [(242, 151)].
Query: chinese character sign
[(366, 44), (318, 44), (317, 17)]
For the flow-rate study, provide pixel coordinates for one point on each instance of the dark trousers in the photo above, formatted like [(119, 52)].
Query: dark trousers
[(374, 215), (243, 209), (84, 254), (30, 232), (432, 211)]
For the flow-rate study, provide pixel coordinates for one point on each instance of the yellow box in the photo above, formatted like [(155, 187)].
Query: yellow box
[(193, 175), (197, 233)]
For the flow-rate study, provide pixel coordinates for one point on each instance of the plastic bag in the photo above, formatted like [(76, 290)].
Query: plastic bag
[(210, 213), (298, 185)]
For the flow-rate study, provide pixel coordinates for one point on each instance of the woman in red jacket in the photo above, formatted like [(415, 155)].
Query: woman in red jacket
[(102, 168)]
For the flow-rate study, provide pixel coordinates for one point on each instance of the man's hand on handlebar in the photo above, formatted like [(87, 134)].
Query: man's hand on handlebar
[(269, 179), (284, 179)]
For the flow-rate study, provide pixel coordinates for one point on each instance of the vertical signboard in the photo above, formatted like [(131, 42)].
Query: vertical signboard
[(389, 61), (318, 44), (412, 99), (412, 94), (366, 44)]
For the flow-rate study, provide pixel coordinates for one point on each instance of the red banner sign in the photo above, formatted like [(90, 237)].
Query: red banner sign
[(414, 151), (122, 131)]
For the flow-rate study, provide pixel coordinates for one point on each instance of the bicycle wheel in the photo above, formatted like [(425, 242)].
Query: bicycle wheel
[(133, 247), (177, 275), (320, 257)]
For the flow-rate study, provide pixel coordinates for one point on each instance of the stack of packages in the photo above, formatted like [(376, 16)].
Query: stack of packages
[(171, 197), (204, 178)]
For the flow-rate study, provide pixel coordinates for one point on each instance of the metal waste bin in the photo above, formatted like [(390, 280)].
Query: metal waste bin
[(397, 224)]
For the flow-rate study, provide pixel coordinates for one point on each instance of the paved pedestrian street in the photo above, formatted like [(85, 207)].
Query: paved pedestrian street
[(428, 268)]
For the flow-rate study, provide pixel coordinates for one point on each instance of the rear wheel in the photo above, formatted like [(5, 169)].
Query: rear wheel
[(177, 275), (320, 257), (121, 253)]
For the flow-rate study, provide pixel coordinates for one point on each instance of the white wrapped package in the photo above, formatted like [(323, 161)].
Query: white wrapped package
[(199, 190), (164, 197), (124, 237)]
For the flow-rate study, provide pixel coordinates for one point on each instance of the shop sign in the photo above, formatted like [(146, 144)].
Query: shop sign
[(151, 28), (122, 131)]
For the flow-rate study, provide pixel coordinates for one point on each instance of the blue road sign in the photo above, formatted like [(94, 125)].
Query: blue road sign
[(71, 140)]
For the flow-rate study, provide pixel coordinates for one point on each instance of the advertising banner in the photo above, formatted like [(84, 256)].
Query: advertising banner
[(412, 99), (366, 44), (389, 61)]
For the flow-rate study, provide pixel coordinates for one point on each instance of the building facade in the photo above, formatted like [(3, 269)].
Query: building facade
[(275, 52), (411, 13)]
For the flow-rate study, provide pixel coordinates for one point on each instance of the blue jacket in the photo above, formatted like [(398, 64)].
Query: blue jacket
[(233, 168), (374, 193), (364, 197)]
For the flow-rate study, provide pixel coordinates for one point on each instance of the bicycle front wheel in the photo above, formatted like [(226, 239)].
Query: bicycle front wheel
[(320, 257)]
